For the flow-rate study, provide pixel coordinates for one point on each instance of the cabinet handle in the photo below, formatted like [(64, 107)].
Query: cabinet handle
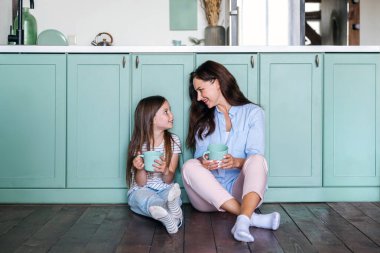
[(317, 60), (137, 62), (124, 61), (252, 62)]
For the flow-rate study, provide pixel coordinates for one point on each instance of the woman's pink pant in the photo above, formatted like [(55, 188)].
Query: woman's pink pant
[(206, 194)]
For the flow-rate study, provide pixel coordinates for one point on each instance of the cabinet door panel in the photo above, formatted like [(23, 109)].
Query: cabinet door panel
[(98, 94), (244, 67), (168, 76), (291, 97), (33, 120), (351, 115)]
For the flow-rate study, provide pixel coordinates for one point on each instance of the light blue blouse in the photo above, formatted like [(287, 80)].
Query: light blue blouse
[(247, 137)]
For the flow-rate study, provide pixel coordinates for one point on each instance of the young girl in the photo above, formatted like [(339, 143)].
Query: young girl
[(153, 194)]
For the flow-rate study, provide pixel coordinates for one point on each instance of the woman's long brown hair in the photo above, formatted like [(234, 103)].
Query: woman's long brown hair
[(143, 132), (201, 122)]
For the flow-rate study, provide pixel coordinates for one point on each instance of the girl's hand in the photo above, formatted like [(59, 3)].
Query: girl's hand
[(209, 164), (138, 162), (160, 165)]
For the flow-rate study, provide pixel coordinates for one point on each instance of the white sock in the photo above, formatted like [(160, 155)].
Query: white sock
[(173, 202), (159, 213), (268, 221), (240, 230)]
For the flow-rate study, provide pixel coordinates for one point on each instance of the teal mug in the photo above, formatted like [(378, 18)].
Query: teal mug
[(149, 157), (215, 152)]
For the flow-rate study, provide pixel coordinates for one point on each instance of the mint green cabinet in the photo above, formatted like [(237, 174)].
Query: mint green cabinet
[(33, 120), (244, 67), (166, 75), (65, 121), (98, 98), (291, 96), (351, 120)]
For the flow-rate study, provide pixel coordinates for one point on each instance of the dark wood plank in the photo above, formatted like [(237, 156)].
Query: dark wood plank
[(11, 215), (289, 236), (24, 230), (361, 221), (76, 238), (369, 209), (199, 234), (110, 232), (224, 240), (317, 233), (265, 240), (43, 239), (138, 236), (164, 242), (309, 227), (344, 230)]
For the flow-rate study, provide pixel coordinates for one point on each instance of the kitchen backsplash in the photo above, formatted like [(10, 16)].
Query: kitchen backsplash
[(131, 22), (140, 23)]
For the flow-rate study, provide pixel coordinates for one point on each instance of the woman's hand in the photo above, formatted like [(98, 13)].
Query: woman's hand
[(160, 165), (230, 162), (209, 164), (138, 162)]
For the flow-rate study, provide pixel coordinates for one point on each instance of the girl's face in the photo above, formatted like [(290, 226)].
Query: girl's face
[(208, 92), (163, 119)]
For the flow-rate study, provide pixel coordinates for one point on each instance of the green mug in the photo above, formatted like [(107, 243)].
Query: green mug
[(215, 152), (149, 157)]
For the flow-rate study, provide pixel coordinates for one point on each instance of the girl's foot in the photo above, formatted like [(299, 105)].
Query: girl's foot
[(173, 202), (268, 221), (240, 231), (159, 213)]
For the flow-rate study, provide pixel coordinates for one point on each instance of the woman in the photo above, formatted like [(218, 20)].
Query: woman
[(221, 114)]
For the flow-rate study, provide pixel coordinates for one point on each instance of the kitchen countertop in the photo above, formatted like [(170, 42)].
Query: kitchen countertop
[(186, 49)]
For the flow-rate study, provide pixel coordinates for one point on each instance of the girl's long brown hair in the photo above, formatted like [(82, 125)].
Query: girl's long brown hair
[(143, 132), (201, 122)]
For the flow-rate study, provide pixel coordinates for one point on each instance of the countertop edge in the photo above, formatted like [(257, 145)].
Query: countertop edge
[(188, 49)]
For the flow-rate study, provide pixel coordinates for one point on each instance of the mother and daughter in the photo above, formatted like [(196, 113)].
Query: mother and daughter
[(219, 114)]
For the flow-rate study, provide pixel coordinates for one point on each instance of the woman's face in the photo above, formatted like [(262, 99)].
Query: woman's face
[(208, 92), (164, 118)]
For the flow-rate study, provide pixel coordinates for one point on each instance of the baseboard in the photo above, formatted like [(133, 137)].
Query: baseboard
[(119, 196)]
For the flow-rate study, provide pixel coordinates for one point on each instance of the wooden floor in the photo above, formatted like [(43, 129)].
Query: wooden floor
[(305, 227)]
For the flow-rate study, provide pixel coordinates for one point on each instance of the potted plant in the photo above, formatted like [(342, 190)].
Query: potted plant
[(214, 33)]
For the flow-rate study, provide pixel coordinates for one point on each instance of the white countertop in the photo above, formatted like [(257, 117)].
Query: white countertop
[(186, 49)]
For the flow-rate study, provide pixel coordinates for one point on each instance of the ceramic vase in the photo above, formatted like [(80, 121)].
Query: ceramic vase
[(215, 36)]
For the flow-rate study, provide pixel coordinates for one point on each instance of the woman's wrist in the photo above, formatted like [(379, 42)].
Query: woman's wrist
[(239, 162)]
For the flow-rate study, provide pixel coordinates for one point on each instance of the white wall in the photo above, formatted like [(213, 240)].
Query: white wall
[(139, 22), (369, 22), (131, 22), (5, 19)]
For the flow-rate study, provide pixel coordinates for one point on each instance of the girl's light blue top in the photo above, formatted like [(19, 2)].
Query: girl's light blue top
[(247, 137)]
